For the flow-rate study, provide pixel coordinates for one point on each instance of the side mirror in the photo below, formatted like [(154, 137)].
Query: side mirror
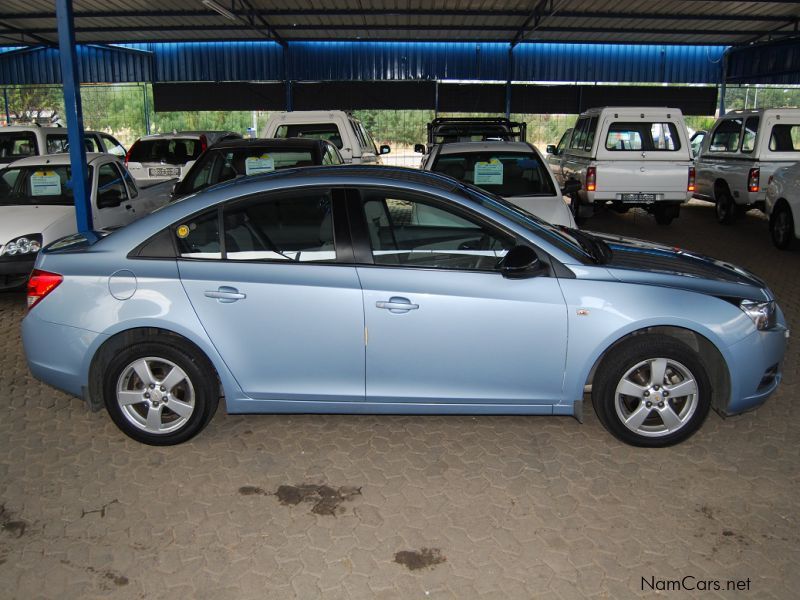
[(419, 148), (385, 149), (110, 198), (551, 149), (521, 262), (571, 186)]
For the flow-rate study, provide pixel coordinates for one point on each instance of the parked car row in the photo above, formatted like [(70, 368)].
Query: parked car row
[(347, 271), (630, 157)]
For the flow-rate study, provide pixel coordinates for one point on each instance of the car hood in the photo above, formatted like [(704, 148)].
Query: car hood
[(638, 261), (22, 220)]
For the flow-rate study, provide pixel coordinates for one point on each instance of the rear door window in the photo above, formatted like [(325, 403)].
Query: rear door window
[(785, 138), (726, 136), (642, 136), (318, 131)]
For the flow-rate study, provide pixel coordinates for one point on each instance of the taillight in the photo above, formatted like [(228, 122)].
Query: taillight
[(752, 180), (40, 285), (591, 179), (128, 154), (203, 143), (690, 184)]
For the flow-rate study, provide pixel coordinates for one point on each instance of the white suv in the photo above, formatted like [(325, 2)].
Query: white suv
[(740, 153), (156, 158), (21, 141)]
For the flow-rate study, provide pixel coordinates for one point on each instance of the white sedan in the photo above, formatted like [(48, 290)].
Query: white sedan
[(37, 206), (783, 206), (514, 170)]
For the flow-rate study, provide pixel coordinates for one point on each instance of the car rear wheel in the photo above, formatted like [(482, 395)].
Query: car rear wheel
[(652, 391), (725, 207), (160, 395), (781, 227)]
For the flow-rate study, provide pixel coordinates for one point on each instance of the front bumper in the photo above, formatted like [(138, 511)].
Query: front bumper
[(756, 369), (15, 271)]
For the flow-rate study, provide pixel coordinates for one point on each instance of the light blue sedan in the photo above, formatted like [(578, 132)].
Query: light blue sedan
[(320, 290)]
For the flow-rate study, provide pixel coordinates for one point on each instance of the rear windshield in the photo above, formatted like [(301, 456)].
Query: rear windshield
[(506, 174), (317, 131), (221, 165), (17, 144), (643, 136), (45, 184), (173, 151), (785, 138)]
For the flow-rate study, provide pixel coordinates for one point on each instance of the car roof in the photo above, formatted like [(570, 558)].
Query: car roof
[(488, 146), (275, 143)]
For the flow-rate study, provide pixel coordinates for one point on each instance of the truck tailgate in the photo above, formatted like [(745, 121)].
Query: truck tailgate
[(642, 176)]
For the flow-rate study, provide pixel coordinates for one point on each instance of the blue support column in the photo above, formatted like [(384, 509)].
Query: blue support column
[(74, 114)]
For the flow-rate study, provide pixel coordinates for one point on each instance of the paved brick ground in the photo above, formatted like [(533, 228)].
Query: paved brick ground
[(507, 507)]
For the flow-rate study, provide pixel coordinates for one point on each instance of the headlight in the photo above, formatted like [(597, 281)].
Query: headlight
[(762, 313), (27, 244)]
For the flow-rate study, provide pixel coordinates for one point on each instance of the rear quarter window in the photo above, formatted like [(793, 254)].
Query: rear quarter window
[(726, 136)]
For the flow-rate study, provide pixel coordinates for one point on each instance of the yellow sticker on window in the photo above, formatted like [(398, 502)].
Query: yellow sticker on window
[(45, 183), (182, 231), (254, 165)]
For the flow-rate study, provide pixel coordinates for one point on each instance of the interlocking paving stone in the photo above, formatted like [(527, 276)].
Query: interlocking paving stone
[(519, 507)]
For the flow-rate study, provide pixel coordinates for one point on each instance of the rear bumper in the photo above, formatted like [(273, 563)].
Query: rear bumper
[(57, 354), (756, 369)]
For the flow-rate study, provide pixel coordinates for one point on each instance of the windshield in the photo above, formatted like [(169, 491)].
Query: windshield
[(16, 144), (579, 245), (43, 184), (507, 174), (222, 165), (172, 151)]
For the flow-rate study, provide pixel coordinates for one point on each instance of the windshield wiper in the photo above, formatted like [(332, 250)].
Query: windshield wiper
[(594, 247)]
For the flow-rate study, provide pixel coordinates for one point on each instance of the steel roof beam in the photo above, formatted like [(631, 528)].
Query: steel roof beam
[(572, 14)]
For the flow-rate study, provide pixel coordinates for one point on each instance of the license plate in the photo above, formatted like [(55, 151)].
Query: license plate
[(638, 197), (164, 172)]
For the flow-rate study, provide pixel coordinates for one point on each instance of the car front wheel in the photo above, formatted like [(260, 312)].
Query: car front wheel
[(652, 391), (158, 394)]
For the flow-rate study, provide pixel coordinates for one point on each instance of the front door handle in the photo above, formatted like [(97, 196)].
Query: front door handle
[(225, 294), (397, 304)]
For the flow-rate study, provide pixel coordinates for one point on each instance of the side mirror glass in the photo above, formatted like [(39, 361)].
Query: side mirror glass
[(110, 198), (551, 149), (385, 149), (521, 262), (419, 148), (570, 187)]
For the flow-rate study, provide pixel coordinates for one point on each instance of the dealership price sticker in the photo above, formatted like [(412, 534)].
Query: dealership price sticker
[(45, 183), (488, 173), (254, 165)]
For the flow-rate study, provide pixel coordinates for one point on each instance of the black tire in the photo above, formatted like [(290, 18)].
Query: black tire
[(781, 227), (653, 432), (200, 381), (725, 207)]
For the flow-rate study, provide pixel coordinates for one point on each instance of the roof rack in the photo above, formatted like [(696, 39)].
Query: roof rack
[(446, 130)]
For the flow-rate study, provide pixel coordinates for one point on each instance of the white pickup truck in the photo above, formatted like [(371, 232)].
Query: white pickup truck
[(627, 157), (335, 126), (740, 153), (37, 206)]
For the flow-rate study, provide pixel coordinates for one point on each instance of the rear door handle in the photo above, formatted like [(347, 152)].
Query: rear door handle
[(225, 294), (397, 304)]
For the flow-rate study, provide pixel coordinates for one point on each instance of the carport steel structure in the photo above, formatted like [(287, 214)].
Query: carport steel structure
[(674, 24)]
